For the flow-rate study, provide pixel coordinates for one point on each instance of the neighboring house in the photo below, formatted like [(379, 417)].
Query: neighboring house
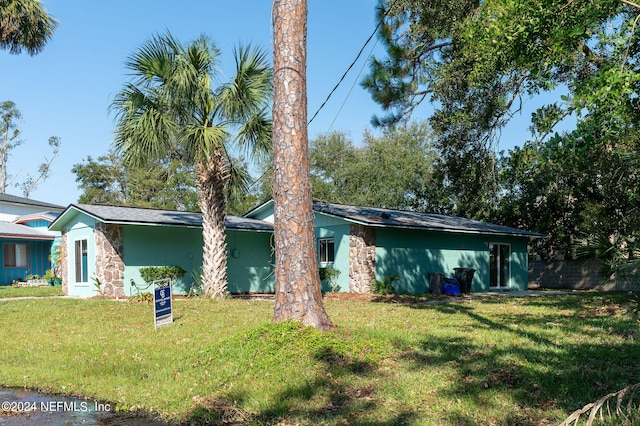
[(26, 241), (108, 245), (366, 243), (12, 207)]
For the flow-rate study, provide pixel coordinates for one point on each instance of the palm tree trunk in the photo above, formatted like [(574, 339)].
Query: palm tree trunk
[(211, 178), (298, 295)]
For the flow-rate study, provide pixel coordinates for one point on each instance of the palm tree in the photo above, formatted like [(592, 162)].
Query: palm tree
[(172, 108), (298, 295), (24, 24)]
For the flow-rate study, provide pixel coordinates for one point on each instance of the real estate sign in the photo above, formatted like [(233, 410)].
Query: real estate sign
[(163, 314)]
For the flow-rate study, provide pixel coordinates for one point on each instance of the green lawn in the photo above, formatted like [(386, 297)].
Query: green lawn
[(13, 291), (498, 361)]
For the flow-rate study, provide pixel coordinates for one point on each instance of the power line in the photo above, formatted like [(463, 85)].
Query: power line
[(351, 89), (352, 63)]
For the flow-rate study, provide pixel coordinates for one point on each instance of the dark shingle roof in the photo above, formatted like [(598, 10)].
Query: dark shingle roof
[(14, 199), (372, 216), (142, 216)]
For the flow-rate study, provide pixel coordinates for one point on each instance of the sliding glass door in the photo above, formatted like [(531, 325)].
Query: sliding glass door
[(499, 265)]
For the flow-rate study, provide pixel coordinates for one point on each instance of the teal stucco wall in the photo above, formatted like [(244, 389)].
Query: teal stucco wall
[(250, 262), (338, 229), (145, 246), (248, 266), (413, 254)]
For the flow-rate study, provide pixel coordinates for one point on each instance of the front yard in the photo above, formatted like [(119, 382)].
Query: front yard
[(44, 291), (499, 361)]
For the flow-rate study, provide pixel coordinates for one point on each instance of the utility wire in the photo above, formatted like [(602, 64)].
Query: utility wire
[(352, 63), (351, 89)]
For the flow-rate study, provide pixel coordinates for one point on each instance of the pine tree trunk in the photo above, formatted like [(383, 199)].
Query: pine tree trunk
[(298, 295), (211, 178)]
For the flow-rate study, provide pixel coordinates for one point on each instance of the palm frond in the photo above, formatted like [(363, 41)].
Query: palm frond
[(615, 259), (251, 88), (25, 24), (152, 64), (238, 181), (255, 137), (201, 141)]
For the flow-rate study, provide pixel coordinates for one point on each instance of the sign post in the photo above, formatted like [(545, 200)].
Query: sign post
[(163, 314)]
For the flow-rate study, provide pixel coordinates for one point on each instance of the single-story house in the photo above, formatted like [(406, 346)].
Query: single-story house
[(26, 241), (366, 243), (103, 249)]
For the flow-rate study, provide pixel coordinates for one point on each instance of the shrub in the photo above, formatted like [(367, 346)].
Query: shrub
[(385, 286), (154, 273), (141, 298), (330, 275)]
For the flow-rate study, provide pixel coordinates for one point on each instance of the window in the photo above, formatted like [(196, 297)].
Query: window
[(15, 256), (327, 250), (82, 263)]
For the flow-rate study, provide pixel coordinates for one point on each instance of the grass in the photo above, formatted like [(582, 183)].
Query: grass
[(46, 291), (498, 361)]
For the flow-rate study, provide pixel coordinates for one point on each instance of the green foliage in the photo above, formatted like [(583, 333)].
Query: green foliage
[(108, 180), (393, 170), (98, 286), (25, 25), (634, 303), (330, 275), (50, 275), (478, 61), (154, 273), (196, 282), (571, 186), (385, 286), (144, 297)]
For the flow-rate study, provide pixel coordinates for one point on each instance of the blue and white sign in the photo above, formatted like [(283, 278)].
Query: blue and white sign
[(163, 314)]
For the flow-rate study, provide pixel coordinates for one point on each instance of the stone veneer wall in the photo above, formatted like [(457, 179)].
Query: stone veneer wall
[(109, 264), (63, 255), (362, 258)]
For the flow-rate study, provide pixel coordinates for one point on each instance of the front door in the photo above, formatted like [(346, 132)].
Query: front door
[(499, 265)]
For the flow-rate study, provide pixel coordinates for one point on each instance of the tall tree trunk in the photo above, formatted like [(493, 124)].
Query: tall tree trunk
[(211, 179), (298, 295)]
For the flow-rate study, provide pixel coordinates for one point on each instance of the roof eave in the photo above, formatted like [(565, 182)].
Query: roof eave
[(430, 228)]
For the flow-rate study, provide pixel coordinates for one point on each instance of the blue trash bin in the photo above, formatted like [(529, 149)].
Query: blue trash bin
[(451, 287)]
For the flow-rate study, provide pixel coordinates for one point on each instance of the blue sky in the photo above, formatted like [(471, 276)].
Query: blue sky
[(66, 90)]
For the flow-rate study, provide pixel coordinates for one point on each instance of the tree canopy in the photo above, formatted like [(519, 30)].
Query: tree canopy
[(480, 63), (25, 25), (396, 170)]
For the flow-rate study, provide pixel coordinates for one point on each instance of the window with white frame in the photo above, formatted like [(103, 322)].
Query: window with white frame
[(15, 255), (327, 250)]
